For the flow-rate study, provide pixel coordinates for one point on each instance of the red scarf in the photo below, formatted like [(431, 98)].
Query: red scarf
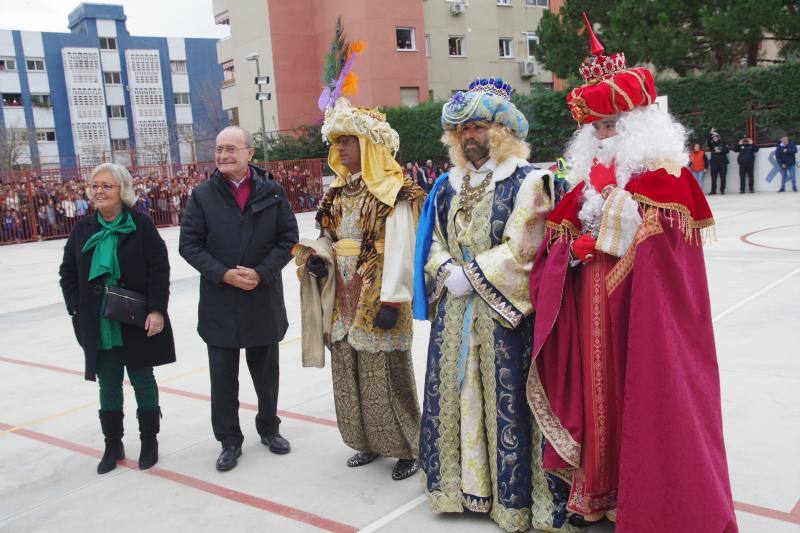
[(242, 192)]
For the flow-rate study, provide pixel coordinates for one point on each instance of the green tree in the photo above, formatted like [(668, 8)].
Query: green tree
[(682, 35), (304, 142)]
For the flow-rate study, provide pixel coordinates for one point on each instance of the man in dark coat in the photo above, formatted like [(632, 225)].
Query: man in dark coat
[(747, 160), (785, 154), (238, 231), (719, 161)]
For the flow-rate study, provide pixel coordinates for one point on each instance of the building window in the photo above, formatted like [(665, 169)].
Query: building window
[(112, 78), (181, 98), (532, 41), (537, 3), (46, 135), (506, 47), (185, 132), (41, 100), (108, 43), (405, 39), (116, 111), (7, 64), (503, 2), (223, 18), (12, 99), (409, 96), (119, 144), (177, 67), (455, 44), (428, 44), (233, 116), (35, 65), (228, 74)]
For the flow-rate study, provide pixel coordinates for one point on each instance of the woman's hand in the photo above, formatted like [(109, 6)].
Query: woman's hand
[(154, 323)]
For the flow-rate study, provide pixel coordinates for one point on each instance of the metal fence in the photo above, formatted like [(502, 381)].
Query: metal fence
[(47, 204)]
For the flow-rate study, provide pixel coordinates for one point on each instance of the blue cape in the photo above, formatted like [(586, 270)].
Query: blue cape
[(427, 222)]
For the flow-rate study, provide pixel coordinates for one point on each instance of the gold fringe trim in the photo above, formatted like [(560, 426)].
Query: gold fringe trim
[(697, 232), (566, 228)]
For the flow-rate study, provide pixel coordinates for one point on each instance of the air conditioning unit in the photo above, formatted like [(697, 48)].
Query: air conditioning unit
[(457, 8), (527, 69)]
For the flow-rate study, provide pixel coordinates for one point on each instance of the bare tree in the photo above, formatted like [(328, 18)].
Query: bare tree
[(14, 145)]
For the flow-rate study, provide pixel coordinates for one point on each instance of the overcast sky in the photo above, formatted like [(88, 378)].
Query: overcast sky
[(150, 18)]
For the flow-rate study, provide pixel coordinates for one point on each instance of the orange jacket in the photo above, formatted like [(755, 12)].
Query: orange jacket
[(698, 160)]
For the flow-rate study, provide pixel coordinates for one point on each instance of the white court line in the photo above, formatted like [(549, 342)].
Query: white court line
[(374, 526), (754, 296), (385, 519)]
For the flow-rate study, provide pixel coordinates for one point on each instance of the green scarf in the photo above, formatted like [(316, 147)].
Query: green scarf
[(105, 262)]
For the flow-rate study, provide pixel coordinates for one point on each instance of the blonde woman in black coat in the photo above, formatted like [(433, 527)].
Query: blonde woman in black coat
[(118, 246)]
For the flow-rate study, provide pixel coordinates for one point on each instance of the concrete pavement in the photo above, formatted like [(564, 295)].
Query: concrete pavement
[(50, 437)]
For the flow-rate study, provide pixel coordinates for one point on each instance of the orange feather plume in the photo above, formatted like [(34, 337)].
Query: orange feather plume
[(350, 85)]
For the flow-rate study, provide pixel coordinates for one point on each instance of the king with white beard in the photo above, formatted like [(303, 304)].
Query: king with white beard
[(624, 381)]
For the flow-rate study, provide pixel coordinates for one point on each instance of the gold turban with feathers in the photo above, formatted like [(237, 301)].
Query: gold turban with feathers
[(378, 143)]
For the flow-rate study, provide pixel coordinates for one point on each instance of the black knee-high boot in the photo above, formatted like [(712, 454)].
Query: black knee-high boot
[(149, 425), (111, 422)]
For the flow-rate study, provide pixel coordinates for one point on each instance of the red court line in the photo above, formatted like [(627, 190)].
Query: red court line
[(250, 406), (746, 238), (210, 488), (178, 392), (42, 365), (792, 517)]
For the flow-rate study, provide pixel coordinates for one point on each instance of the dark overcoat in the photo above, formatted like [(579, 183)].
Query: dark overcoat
[(144, 268), (217, 236)]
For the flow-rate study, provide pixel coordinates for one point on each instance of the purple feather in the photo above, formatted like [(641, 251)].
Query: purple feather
[(337, 92), (325, 99)]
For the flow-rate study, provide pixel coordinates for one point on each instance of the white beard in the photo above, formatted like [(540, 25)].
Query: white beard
[(643, 135), (607, 152)]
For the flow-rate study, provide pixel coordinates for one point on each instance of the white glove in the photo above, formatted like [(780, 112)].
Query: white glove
[(457, 282)]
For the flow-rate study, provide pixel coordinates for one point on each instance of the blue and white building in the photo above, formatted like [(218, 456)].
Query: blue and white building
[(99, 94)]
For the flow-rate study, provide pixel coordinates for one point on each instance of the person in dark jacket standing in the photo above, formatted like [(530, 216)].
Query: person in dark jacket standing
[(238, 231), (746, 159), (119, 247), (786, 154), (719, 161)]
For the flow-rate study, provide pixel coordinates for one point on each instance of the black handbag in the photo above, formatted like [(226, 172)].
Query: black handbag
[(122, 305)]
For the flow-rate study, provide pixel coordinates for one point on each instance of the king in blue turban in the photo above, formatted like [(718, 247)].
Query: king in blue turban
[(480, 229)]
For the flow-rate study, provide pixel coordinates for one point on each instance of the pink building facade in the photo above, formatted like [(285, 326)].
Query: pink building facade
[(391, 73)]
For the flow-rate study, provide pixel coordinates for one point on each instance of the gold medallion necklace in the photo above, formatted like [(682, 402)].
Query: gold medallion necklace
[(470, 196)]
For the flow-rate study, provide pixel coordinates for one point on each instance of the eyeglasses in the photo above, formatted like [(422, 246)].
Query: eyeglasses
[(104, 186), (229, 149)]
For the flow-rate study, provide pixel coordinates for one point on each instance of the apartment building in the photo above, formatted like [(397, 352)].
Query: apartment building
[(418, 50), (469, 38), (291, 40), (99, 94)]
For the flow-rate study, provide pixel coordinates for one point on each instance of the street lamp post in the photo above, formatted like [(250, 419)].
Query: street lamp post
[(261, 96)]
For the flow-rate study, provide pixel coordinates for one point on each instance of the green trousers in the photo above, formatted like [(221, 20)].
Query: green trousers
[(111, 370)]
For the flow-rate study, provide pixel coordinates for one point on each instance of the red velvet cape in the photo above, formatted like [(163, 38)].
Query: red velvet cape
[(673, 473)]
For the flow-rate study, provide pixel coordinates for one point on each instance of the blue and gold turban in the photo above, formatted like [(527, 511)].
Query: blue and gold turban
[(487, 100)]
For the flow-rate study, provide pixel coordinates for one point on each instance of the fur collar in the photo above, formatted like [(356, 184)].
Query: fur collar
[(501, 172)]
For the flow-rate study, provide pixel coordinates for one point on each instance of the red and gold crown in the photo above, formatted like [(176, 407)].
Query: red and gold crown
[(610, 86), (600, 67)]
